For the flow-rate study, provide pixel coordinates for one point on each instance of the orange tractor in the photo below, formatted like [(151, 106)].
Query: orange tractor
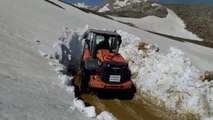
[(102, 67)]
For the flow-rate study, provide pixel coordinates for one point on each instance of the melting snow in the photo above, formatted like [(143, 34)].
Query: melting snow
[(171, 77), (106, 116), (80, 106), (67, 53)]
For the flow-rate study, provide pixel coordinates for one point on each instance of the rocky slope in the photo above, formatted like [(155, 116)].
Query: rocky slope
[(133, 8), (198, 18)]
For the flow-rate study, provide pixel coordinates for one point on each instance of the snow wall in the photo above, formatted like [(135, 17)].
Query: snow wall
[(69, 49), (171, 78), (67, 53)]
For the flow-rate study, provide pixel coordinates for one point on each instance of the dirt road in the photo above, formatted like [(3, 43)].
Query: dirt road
[(124, 107)]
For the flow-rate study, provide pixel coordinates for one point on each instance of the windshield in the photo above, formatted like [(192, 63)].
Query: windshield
[(111, 43)]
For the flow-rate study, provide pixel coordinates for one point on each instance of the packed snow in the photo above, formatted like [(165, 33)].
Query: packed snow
[(106, 116), (80, 106), (67, 52), (171, 25), (29, 89), (171, 77)]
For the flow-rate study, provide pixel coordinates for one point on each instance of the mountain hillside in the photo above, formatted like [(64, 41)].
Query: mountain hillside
[(133, 8), (198, 18), (82, 5), (170, 25)]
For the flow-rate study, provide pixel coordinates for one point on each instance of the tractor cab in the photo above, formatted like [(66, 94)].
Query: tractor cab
[(101, 65), (102, 40)]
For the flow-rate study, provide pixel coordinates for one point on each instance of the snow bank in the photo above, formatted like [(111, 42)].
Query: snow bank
[(171, 78), (106, 116), (80, 106), (67, 52), (209, 118), (68, 49)]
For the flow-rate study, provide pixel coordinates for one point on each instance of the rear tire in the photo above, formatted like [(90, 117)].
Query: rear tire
[(83, 85)]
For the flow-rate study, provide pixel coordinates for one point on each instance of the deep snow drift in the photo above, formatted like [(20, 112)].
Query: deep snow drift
[(171, 78), (67, 53), (29, 89)]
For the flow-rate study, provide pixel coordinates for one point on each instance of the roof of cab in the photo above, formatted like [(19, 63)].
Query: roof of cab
[(103, 32)]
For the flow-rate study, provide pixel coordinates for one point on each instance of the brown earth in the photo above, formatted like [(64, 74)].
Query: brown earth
[(139, 107)]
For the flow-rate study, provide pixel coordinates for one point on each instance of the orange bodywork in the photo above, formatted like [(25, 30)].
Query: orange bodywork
[(95, 82), (86, 53), (105, 55)]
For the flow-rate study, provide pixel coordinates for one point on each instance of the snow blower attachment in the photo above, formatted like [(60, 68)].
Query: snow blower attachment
[(102, 67)]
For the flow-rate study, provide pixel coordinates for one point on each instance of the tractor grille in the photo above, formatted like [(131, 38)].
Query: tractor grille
[(112, 71)]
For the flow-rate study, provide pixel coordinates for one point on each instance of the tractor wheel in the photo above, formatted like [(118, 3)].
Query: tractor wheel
[(83, 82)]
